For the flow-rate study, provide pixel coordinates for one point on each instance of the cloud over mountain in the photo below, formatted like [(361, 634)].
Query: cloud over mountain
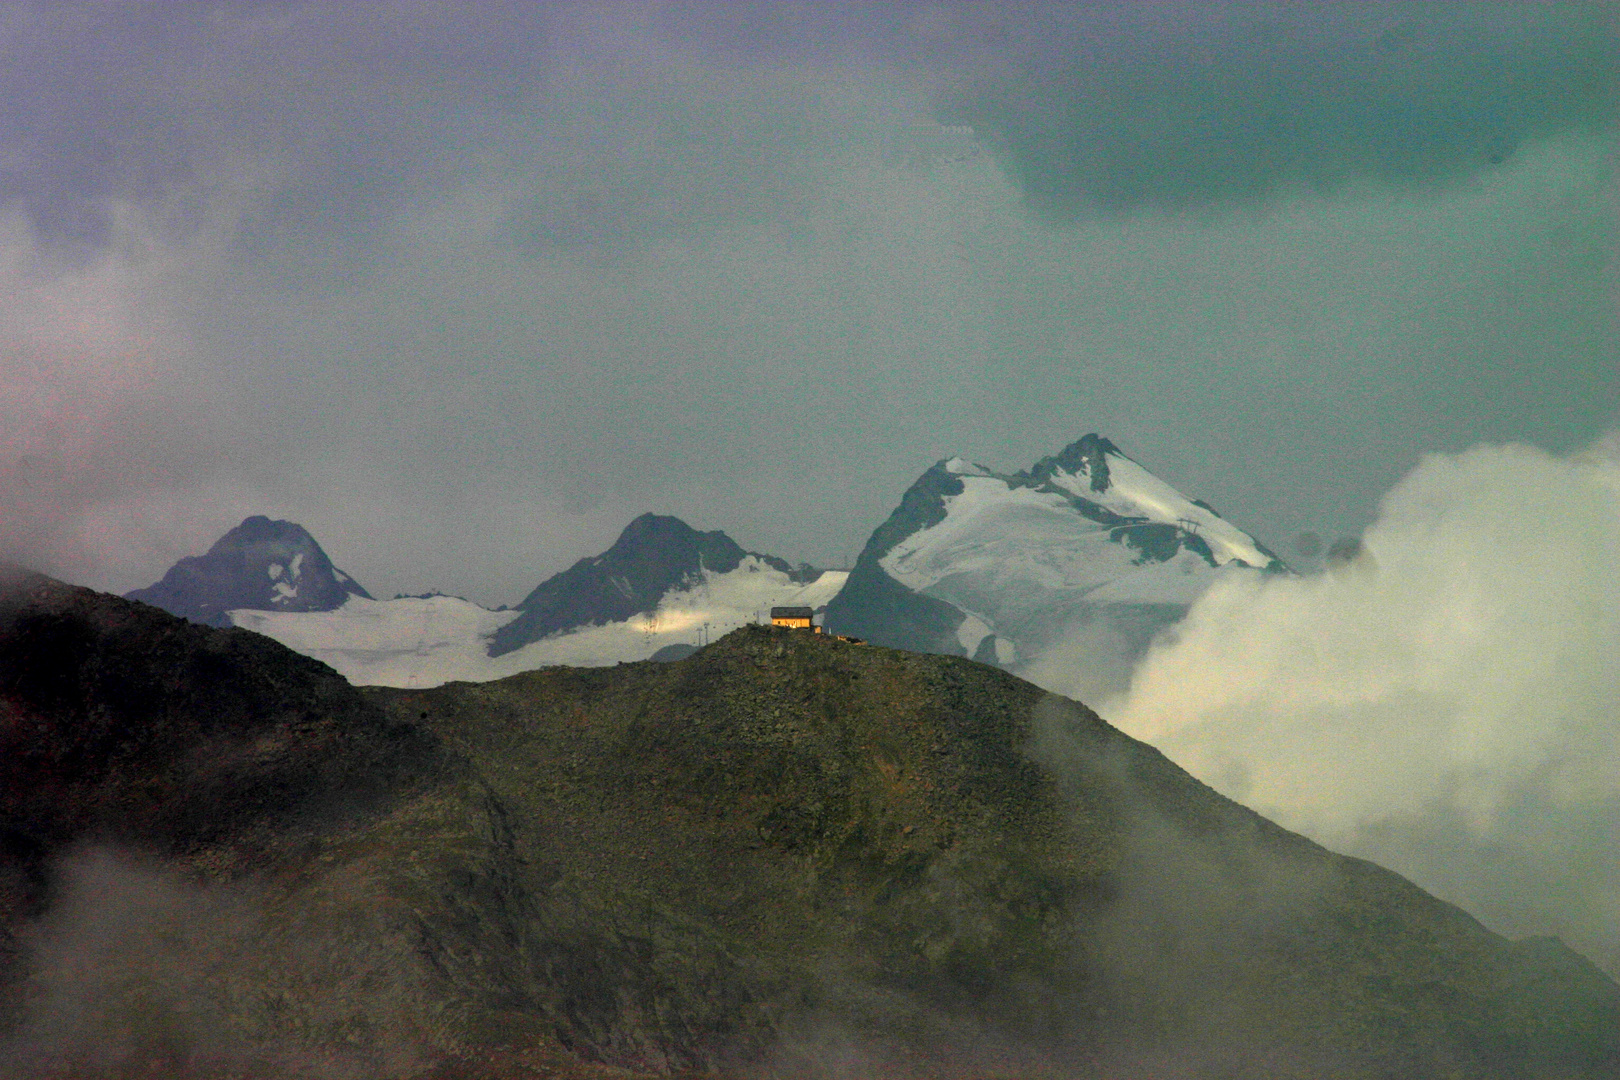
[(1444, 704)]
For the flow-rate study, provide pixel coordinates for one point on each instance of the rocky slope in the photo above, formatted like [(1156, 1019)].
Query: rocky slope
[(782, 856), (1085, 545), (261, 564)]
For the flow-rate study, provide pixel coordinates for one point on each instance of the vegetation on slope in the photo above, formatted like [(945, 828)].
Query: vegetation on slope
[(783, 856)]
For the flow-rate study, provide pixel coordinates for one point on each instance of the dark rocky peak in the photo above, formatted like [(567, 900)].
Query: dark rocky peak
[(1086, 456), (261, 564), (654, 540), (259, 529), (655, 554), (921, 507)]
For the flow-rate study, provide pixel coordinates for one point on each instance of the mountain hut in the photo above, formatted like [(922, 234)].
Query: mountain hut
[(797, 618)]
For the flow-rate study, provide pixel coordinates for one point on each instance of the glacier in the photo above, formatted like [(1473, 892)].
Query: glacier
[(420, 642), (1086, 545)]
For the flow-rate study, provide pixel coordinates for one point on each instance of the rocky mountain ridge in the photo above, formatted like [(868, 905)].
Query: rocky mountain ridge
[(1063, 573), (783, 856)]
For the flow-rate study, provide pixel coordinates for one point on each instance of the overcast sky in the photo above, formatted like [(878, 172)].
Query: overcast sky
[(463, 288)]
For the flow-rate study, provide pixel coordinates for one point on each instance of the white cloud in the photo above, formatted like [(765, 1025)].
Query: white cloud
[(1446, 706)]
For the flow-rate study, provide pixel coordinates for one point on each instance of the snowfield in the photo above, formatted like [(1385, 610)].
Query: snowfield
[(1134, 492), (1012, 541), (419, 642)]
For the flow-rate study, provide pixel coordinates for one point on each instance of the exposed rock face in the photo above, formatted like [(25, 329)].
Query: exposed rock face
[(261, 564), (782, 856), (653, 556)]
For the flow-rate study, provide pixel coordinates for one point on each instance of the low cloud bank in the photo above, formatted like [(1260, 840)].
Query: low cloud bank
[(1444, 704)]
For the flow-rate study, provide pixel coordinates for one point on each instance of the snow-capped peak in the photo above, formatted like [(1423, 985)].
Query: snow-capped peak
[(421, 641), (1003, 566)]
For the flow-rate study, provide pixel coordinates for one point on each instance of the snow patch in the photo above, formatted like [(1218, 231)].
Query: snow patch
[(971, 633), (1002, 533)]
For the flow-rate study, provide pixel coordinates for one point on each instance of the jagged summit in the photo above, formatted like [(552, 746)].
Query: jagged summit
[(261, 564), (1111, 488), (1087, 455), (654, 556), (1001, 566)]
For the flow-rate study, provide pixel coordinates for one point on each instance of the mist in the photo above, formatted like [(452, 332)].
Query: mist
[(1444, 703), (139, 963)]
